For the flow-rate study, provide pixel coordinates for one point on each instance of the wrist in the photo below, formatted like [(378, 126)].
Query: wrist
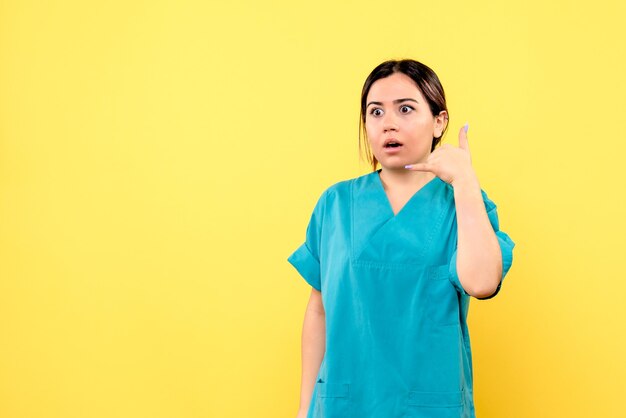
[(466, 180)]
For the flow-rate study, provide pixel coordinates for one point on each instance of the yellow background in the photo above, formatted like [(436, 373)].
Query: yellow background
[(159, 161)]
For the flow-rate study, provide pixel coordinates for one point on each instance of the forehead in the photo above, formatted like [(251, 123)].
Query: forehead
[(397, 85)]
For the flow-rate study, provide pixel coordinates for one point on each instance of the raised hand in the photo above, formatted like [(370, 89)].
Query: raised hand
[(451, 164)]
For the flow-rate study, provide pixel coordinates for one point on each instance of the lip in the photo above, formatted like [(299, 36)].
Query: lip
[(392, 150)]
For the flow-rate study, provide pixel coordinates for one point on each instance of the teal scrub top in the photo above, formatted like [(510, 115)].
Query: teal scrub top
[(397, 342)]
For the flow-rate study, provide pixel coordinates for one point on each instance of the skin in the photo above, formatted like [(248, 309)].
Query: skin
[(313, 348)]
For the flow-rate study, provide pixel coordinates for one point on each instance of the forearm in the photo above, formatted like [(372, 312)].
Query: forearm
[(479, 258), (313, 349)]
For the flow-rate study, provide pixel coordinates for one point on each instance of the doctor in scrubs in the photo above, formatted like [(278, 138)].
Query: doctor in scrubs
[(393, 259)]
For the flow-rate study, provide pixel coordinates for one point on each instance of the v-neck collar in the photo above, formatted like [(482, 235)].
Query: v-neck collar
[(380, 238), (381, 189)]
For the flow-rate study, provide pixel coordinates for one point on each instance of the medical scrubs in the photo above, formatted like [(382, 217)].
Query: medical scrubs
[(397, 342)]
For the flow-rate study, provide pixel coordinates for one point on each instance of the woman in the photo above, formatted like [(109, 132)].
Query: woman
[(393, 257)]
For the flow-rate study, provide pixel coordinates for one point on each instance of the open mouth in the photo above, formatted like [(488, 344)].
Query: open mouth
[(393, 145)]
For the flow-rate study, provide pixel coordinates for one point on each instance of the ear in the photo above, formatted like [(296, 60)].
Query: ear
[(441, 121)]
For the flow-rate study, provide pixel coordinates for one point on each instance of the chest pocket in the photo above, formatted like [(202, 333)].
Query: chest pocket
[(396, 241)]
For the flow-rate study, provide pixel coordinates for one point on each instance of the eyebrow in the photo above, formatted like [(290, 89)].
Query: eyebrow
[(395, 101)]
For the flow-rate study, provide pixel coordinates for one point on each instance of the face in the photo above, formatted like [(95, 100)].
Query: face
[(397, 111)]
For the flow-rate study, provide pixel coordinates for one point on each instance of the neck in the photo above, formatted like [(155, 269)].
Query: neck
[(401, 178)]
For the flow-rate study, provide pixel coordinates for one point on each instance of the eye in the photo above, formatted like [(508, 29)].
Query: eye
[(373, 111), (406, 107)]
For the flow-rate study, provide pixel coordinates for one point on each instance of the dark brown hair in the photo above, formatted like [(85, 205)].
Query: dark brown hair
[(428, 84)]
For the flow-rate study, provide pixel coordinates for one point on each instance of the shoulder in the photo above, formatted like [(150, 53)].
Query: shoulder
[(343, 188)]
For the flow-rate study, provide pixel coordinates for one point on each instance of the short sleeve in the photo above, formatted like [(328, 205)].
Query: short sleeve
[(306, 258), (506, 248)]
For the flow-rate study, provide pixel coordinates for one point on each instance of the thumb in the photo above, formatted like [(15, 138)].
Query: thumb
[(463, 143)]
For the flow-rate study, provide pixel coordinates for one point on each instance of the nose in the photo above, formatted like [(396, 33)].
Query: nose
[(389, 123)]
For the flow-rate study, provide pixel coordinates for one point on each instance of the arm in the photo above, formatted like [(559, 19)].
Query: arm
[(313, 347), (479, 258)]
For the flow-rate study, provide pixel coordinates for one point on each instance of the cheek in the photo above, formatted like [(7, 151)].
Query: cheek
[(418, 123), (422, 130)]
